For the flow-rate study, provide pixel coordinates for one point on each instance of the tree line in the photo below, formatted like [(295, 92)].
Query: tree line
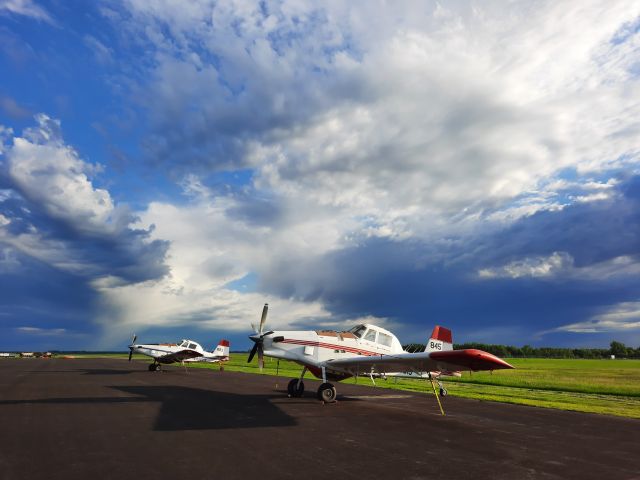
[(620, 350)]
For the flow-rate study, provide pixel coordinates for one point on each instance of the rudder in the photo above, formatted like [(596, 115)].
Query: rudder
[(441, 340), (222, 349)]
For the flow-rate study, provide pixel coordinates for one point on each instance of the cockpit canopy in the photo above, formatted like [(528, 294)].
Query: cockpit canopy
[(190, 344), (374, 334)]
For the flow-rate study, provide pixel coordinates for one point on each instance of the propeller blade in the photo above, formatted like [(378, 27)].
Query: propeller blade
[(133, 342), (253, 352), (260, 356), (265, 309)]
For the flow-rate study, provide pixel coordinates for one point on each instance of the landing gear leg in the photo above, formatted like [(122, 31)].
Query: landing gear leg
[(296, 386), (326, 392)]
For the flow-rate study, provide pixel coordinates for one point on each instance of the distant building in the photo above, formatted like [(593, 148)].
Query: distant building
[(613, 357), (26, 354), (5, 354)]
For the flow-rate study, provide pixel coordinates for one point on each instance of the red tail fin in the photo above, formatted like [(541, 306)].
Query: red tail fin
[(442, 334), (440, 341)]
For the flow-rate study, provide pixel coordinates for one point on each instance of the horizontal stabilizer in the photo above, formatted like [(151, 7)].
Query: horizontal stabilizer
[(471, 359)]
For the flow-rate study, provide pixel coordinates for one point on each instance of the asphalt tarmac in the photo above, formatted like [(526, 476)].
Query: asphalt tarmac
[(111, 419)]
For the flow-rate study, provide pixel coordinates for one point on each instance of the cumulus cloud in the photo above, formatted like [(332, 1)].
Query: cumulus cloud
[(403, 161), (618, 318), (447, 113), (531, 267), (560, 265), (52, 211), (397, 142), (211, 248), (48, 172)]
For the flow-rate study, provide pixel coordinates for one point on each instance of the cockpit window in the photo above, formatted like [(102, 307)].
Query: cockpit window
[(183, 343), (192, 346), (371, 336), (384, 339), (358, 331)]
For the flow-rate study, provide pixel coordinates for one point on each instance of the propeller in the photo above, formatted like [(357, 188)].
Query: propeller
[(258, 339), (133, 341)]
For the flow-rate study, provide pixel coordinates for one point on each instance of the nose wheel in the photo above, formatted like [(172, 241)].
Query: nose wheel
[(327, 393)]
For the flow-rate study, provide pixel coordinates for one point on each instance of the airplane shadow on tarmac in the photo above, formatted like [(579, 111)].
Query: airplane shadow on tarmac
[(105, 371), (185, 408)]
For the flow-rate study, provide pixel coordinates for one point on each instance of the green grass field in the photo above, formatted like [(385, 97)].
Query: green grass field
[(609, 387)]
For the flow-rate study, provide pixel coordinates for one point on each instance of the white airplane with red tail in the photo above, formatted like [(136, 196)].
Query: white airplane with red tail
[(365, 350), (184, 351)]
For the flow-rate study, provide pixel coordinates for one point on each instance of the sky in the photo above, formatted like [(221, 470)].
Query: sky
[(167, 167)]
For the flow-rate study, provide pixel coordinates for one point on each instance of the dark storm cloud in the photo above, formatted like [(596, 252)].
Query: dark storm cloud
[(42, 307), (590, 232), (418, 284), (127, 254)]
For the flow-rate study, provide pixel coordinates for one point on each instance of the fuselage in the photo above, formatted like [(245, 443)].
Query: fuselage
[(312, 348), (159, 351)]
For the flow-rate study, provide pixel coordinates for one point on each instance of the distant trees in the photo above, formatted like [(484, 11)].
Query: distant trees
[(620, 350)]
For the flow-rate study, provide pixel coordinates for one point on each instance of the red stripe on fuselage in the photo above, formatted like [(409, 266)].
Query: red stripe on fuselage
[(330, 346)]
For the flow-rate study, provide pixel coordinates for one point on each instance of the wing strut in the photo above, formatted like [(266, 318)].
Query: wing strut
[(436, 394)]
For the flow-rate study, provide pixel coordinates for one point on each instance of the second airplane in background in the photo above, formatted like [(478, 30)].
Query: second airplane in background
[(184, 351)]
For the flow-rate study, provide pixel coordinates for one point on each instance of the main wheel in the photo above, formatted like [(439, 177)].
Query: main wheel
[(443, 392), (327, 393), (152, 367), (294, 389)]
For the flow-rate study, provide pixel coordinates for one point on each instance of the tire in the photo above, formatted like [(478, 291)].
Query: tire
[(152, 367), (327, 393), (443, 392), (294, 390)]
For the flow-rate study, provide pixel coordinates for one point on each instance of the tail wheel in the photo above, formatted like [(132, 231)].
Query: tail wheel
[(443, 392), (327, 393), (294, 389)]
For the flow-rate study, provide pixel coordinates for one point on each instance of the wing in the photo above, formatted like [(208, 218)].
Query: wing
[(452, 361), (204, 359), (179, 356)]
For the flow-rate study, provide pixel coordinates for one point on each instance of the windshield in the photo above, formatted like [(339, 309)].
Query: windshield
[(358, 331)]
